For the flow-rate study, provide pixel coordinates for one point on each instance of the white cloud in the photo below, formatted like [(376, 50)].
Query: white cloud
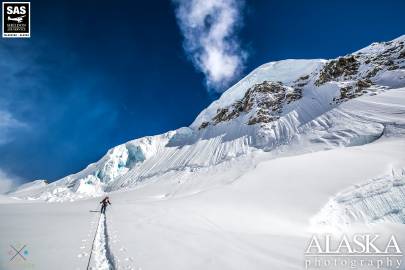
[(208, 27), (7, 124), (7, 182)]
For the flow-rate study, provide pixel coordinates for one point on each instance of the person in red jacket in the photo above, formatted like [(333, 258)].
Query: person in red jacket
[(104, 203)]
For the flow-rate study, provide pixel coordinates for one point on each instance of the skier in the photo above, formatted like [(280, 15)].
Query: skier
[(104, 203)]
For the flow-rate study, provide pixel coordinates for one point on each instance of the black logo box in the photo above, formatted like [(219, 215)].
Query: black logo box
[(16, 10)]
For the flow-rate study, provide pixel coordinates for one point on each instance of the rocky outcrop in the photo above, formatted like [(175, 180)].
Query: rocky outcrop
[(388, 57), (342, 67), (262, 103), (353, 90)]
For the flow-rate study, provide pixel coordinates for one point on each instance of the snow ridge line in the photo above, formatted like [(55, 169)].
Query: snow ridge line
[(103, 258)]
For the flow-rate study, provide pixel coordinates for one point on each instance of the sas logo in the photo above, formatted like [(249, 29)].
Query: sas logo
[(16, 20)]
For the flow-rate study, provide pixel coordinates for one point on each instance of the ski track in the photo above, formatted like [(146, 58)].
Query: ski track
[(103, 257)]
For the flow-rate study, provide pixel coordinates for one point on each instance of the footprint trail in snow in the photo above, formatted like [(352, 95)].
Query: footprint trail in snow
[(103, 257)]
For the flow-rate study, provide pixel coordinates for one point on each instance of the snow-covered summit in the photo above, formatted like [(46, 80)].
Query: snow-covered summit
[(378, 65), (285, 71), (289, 105)]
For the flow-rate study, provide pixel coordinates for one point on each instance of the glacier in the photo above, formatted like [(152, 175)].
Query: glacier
[(310, 115), (295, 147)]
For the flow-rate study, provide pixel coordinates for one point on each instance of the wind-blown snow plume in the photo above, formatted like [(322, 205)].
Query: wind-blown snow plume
[(7, 182), (210, 41)]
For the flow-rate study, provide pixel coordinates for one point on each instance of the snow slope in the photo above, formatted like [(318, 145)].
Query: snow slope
[(297, 146), (286, 71), (259, 221), (292, 105)]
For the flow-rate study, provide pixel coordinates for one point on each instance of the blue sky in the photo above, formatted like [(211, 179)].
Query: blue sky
[(95, 74)]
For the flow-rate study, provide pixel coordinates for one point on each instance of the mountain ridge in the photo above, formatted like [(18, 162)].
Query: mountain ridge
[(279, 105)]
